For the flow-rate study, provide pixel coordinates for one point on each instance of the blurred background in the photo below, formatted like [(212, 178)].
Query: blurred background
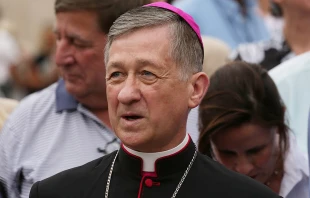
[(26, 47), (28, 17)]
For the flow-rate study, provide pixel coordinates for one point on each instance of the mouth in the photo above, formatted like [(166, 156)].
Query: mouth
[(131, 117)]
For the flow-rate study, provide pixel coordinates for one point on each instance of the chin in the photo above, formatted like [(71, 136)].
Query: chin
[(75, 89), (134, 141)]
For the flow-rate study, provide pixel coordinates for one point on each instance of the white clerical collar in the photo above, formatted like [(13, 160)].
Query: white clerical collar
[(149, 159)]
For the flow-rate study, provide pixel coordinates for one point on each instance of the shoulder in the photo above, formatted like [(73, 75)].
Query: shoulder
[(232, 182), (34, 103), (40, 97), (28, 110), (75, 181), (296, 175), (295, 67)]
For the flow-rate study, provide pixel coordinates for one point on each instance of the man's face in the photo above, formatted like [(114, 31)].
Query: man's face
[(79, 53), (147, 101)]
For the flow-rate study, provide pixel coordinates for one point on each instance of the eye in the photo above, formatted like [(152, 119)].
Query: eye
[(115, 75), (226, 153), (255, 151), (79, 45), (147, 75)]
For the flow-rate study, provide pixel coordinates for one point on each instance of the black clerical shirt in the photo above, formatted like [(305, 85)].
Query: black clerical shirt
[(206, 178)]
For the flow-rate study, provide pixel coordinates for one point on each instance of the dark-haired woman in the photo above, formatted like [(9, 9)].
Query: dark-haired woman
[(242, 126)]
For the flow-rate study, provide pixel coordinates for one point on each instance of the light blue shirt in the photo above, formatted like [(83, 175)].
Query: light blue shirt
[(223, 19), (292, 80)]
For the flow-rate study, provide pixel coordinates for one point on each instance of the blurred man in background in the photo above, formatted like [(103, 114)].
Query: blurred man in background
[(66, 124)]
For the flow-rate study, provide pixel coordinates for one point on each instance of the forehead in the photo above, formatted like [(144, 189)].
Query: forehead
[(77, 21), (151, 44), (245, 135)]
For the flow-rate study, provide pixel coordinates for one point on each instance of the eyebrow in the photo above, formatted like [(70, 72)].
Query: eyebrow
[(248, 150), (139, 62), (257, 147), (74, 36), (115, 64), (143, 62), (226, 151)]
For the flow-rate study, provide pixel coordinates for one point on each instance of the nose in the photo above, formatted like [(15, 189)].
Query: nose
[(243, 165), (130, 92), (63, 54)]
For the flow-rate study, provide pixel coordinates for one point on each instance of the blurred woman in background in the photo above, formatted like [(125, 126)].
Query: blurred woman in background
[(242, 126)]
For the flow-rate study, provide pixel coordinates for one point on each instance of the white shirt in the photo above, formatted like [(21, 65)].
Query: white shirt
[(293, 81), (295, 182), (192, 125), (149, 159)]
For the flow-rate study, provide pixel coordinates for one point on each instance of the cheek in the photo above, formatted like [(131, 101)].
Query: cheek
[(112, 94), (227, 162), (265, 159), (91, 60)]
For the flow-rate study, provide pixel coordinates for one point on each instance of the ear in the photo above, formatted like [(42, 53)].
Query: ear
[(199, 83)]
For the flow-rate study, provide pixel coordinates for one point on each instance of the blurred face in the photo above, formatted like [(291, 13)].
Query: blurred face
[(248, 149), (148, 103), (79, 53)]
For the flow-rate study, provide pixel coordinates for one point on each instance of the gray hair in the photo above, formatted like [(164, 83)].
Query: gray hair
[(107, 10), (185, 49)]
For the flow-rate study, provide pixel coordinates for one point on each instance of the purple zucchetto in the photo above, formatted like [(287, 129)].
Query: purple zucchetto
[(188, 18)]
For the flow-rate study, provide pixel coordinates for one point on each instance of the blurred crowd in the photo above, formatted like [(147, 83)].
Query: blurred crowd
[(254, 118)]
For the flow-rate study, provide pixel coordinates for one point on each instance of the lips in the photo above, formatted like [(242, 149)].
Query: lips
[(131, 116)]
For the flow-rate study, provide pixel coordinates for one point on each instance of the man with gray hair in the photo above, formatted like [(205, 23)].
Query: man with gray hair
[(66, 124), (153, 74)]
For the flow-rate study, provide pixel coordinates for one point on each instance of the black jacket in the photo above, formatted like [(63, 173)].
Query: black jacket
[(206, 178)]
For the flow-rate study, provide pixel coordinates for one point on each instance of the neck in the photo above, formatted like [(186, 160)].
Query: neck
[(297, 31), (98, 106), (103, 115), (275, 180), (149, 159)]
